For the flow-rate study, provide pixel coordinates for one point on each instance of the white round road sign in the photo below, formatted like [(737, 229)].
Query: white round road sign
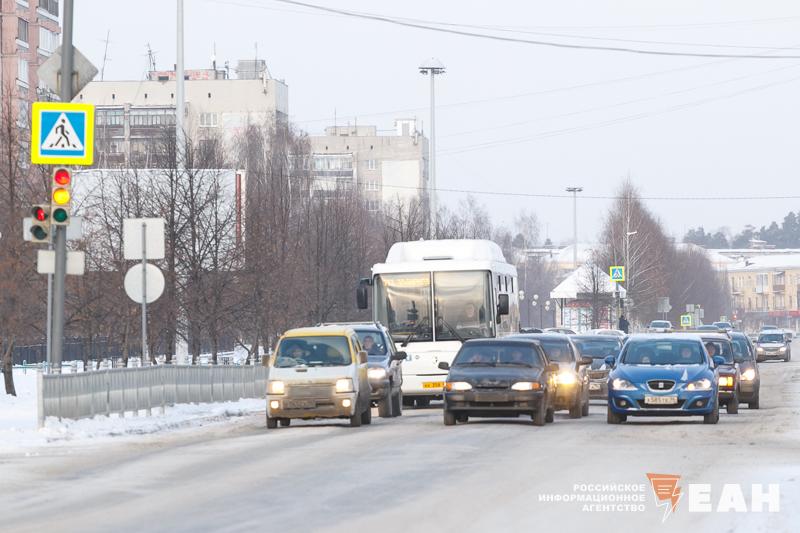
[(155, 283)]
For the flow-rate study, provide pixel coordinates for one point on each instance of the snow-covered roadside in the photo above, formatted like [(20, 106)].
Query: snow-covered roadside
[(19, 431)]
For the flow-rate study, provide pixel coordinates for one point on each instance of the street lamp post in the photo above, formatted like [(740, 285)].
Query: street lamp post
[(628, 270), (534, 303), (431, 67), (575, 191)]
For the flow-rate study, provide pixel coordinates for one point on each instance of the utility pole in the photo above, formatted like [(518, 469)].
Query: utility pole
[(60, 234), (575, 191), (432, 67), (180, 139)]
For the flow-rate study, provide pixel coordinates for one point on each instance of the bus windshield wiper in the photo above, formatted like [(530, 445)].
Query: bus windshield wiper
[(452, 330), (415, 332)]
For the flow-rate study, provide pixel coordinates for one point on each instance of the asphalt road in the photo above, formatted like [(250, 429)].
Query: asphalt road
[(412, 474)]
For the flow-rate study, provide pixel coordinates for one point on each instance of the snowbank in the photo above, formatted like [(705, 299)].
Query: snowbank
[(19, 431)]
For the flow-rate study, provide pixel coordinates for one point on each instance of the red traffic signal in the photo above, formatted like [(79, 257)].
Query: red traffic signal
[(62, 177), (40, 225), (61, 196), (39, 213)]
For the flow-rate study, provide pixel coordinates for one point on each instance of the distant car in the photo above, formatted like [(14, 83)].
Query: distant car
[(663, 375), (660, 326), (750, 379), (789, 334), (385, 370), (765, 328), (772, 344), (318, 372), (572, 390), (530, 330), (709, 327), (727, 326), (729, 376), (609, 332), (598, 347), (563, 331), (499, 378)]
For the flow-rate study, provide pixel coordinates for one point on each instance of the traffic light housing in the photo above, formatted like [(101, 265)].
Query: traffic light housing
[(40, 227), (60, 196)]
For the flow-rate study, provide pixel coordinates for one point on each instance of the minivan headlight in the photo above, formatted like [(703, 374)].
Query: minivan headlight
[(782, 349), (700, 384), (622, 384), (344, 385), (277, 387)]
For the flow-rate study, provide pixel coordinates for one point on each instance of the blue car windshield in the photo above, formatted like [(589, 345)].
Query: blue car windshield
[(663, 352)]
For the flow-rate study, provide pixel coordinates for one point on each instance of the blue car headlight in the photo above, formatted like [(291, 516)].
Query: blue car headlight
[(622, 384), (699, 385)]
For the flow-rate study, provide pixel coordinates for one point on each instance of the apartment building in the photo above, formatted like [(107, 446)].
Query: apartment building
[(131, 115), (766, 290), (385, 166), (29, 33)]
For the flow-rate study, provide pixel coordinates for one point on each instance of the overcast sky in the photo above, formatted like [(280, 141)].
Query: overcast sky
[(679, 126)]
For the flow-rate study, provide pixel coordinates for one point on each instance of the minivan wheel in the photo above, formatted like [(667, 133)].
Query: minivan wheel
[(285, 422), (385, 407), (355, 420), (366, 416), (272, 423)]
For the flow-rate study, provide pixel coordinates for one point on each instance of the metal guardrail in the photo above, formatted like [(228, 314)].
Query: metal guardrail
[(121, 390)]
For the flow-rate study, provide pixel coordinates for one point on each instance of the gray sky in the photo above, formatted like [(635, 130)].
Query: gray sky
[(679, 126)]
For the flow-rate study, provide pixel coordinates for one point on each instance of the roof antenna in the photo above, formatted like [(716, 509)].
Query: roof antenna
[(105, 56), (151, 58)]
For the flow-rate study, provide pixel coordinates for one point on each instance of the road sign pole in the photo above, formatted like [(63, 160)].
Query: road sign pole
[(144, 292), (60, 234)]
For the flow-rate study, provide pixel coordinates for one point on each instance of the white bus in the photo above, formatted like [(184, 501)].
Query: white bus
[(431, 295)]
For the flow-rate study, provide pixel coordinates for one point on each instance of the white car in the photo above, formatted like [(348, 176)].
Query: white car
[(660, 326)]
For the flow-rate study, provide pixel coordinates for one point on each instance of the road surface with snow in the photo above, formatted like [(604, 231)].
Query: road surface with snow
[(414, 474)]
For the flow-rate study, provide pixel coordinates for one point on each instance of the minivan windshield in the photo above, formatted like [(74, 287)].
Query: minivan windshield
[(662, 352), (313, 351), (499, 354), (771, 337), (373, 342)]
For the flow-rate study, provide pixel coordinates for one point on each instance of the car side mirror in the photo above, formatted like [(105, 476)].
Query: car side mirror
[(361, 297), (502, 304), (362, 357), (718, 360), (444, 365), (552, 367), (399, 356), (585, 361), (610, 360)]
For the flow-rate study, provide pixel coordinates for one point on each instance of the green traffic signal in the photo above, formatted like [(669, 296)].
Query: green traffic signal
[(38, 233), (60, 214)]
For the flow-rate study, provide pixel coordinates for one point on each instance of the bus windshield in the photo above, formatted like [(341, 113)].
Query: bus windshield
[(463, 305), (403, 304)]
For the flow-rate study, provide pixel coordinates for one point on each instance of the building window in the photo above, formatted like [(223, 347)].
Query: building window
[(110, 117), (779, 301), (51, 6), (22, 71), (208, 120), (48, 40), (22, 30), (372, 164), (371, 185), (373, 205)]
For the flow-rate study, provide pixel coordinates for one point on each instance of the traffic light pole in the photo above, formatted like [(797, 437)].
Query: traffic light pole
[(60, 233)]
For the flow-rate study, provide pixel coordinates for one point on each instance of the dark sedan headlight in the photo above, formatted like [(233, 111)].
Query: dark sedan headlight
[(457, 386), (749, 374), (526, 386)]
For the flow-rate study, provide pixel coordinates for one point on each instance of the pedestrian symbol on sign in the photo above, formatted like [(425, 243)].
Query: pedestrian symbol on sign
[(617, 273), (62, 133), (62, 136), (686, 321)]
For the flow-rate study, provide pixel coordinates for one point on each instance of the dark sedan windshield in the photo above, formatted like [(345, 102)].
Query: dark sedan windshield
[(557, 350), (771, 337), (741, 350), (597, 348), (662, 352), (497, 355), (721, 348)]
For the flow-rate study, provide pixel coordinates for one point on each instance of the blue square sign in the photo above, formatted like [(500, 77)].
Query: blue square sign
[(62, 133)]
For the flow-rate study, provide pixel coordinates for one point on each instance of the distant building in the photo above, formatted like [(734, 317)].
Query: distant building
[(30, 32), (385, 167), (765, 289), (131, 114)]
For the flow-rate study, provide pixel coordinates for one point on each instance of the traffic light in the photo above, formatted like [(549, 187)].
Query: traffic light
[(61, 196), (40, 227)]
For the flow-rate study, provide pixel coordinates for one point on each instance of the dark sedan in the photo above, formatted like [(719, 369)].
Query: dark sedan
[(499, 378), (598, 347), (749, 378)]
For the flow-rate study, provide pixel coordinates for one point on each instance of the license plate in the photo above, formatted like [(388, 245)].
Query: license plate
[(299, 404), (594, 386), (433, 384), (661, 400)]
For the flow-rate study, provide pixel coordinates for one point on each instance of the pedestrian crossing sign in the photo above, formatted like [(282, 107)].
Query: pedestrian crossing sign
[(617, 273), (686, 321), (62, 133)]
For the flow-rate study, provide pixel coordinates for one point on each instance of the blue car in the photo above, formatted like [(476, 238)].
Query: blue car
[(663, 375)]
